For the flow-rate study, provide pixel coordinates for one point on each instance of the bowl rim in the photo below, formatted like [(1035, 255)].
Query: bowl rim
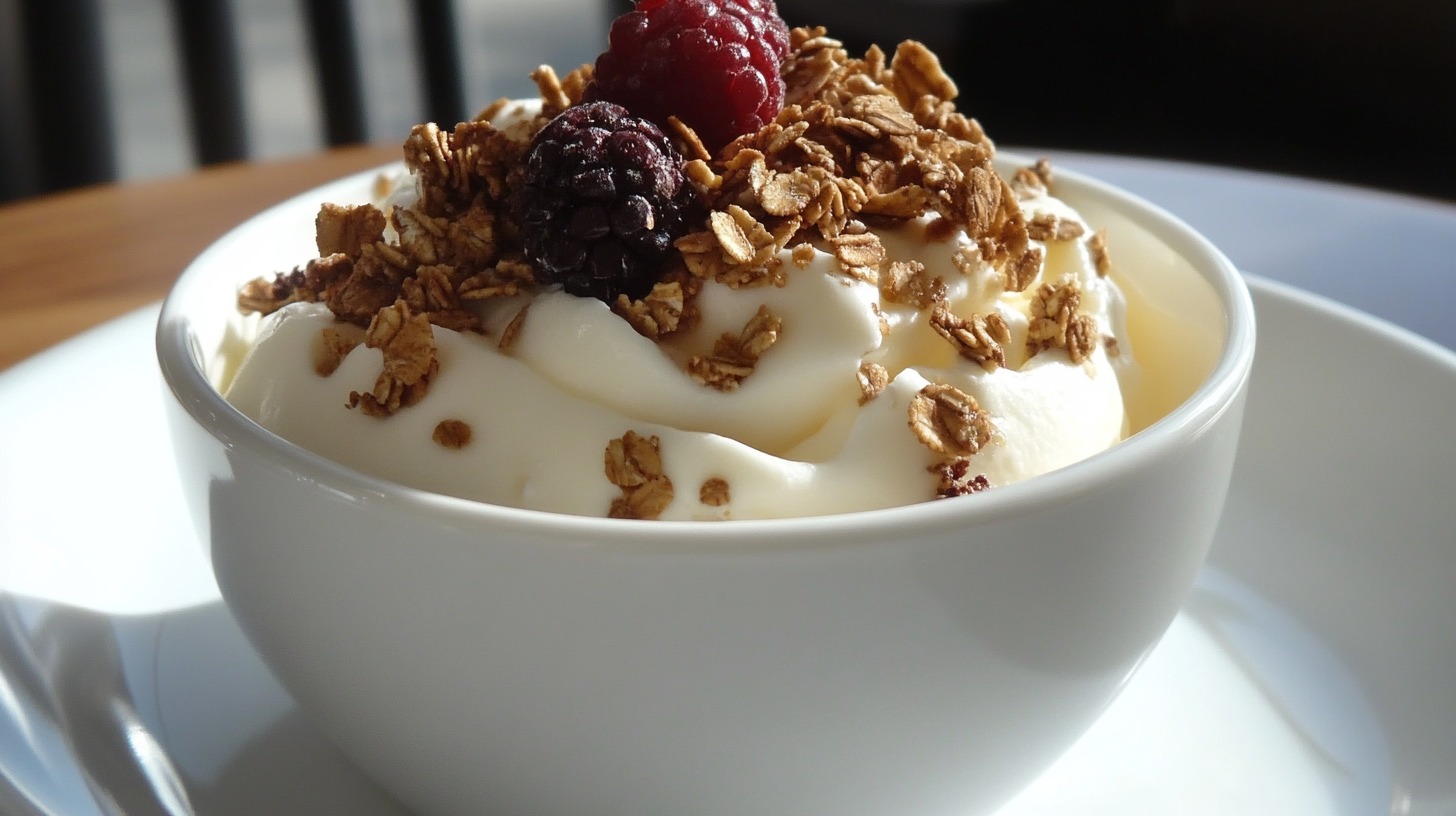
[(190, 387)]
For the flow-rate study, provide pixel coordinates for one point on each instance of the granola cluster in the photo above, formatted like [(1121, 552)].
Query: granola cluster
[(634, 463), (949, 421), (860, 144), (859, 141), (734, 356), (426, 263)]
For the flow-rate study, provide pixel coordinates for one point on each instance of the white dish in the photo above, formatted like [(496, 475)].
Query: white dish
[(1309, 673), (625, 674)]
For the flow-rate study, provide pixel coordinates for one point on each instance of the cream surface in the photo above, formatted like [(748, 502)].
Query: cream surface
[(792, 440)]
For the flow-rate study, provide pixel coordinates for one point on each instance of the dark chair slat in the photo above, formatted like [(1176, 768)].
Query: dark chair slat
[(441, 66), (212, 79), (334, 38), (70, 113), (19, 175)]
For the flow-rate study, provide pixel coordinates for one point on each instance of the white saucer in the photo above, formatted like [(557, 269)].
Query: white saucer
[(1311, 672)]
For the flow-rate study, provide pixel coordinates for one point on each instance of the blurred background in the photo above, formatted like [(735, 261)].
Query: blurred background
[(1361, 91)]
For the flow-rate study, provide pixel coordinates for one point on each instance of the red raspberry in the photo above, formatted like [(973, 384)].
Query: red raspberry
[(714, 64)]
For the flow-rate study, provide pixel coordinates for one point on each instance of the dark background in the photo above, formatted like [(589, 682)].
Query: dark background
[(1360, 91)]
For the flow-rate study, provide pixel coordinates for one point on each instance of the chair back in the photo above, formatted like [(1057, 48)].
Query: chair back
[(57, 127)]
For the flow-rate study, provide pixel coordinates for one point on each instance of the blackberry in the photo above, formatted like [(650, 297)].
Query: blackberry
[(601, 201), (714, 64)]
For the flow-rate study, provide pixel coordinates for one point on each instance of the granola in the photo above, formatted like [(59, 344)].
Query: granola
[(864, 148), (453, 434), (715, 492), (1056, 321), (910, 282), (334, 345), (873, 137), (408, 347), (949, 421), (955, 478), (734, 355), (872, 378), (978, 339), (634, 463)]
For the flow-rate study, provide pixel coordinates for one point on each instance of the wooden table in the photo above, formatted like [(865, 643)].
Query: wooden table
[(73, 260)]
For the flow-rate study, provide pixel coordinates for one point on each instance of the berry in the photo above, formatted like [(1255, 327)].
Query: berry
[(714, 64), (601, 201)]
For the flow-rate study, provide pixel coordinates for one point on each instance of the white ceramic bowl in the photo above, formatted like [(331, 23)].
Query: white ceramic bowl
[(920, 660)]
